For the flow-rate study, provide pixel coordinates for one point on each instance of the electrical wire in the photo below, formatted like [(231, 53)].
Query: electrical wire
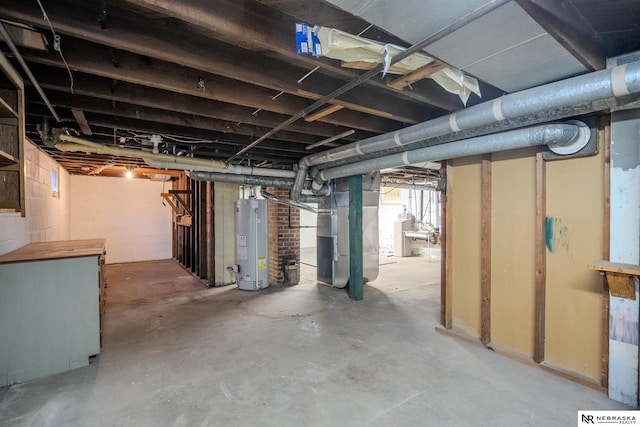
[(56, 43)]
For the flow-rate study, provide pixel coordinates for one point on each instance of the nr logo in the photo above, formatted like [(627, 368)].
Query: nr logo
[(587, 419)]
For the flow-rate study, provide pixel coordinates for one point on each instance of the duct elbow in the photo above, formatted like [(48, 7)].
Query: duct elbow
[(567, 139), (319, 187)]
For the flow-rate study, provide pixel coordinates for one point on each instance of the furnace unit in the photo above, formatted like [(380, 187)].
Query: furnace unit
[(251, 245)]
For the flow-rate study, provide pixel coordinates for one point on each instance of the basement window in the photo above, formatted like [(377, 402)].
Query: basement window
[(55, 184)]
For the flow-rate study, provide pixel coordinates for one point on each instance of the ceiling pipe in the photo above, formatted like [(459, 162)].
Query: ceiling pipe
[(292, 203), (423, 187), (168, 161), (553, 135), (72, 144), (229, 169), (265, 181), (459, 23), (566, 98), (25, 67)]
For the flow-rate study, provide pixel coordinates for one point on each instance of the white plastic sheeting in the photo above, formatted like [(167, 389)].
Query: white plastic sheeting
[(347, 47)]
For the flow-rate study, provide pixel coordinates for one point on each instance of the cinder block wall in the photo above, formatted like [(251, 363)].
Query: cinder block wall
[(47, 217), (284, 235), (127, 212)]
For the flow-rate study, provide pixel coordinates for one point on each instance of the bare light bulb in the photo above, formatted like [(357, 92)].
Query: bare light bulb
[(129, 174)]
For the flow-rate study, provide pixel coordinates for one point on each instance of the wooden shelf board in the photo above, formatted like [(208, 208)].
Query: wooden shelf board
[(615, 267), (7, 159), (6, 110)]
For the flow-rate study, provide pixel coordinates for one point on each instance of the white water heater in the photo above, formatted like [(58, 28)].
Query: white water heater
[(251, 244)]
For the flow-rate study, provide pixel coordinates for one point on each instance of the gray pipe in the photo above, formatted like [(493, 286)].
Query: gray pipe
[(299, 181), (25, 67), (557, 135), (553, 101), (265, 181), (420, 187), (288, 202)]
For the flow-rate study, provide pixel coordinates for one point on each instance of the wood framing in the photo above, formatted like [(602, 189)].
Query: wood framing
[(322, 113), (605, 137), (448, 320), (485, 251), (419, 74), (540, 261)]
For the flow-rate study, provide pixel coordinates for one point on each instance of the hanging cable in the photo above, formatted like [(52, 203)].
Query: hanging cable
[(56, 44)]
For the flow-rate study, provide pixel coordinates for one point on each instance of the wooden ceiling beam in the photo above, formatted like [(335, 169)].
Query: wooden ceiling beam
[(419, 74), (121, 109), (564, 22), (150, 38), (260, 25), (78, 114), (96, 59), (226, 143), (102, 88)]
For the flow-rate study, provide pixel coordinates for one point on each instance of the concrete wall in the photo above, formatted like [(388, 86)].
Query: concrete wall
[(47, 217), (126, 212), (575, 206)]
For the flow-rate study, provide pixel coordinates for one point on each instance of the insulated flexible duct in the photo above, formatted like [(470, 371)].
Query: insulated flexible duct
[(552, 101), (554, 135)]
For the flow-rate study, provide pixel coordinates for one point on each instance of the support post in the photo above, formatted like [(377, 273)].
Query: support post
[(485, 256), (605, 130), (541, 264), (356, 281)]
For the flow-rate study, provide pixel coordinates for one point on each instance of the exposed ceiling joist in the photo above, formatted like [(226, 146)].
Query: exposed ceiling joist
[(103, 88), (564, 22), (215, 57), (135, 69), (78, 114)]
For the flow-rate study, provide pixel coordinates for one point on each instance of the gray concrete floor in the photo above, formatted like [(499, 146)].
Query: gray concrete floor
[(178, 354)]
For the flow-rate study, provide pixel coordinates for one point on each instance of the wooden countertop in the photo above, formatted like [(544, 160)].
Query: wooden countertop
[(54, 250)]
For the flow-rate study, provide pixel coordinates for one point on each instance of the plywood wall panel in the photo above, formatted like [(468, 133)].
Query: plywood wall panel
[(575, 200), (465, 245), (225, 197), (513, 250)]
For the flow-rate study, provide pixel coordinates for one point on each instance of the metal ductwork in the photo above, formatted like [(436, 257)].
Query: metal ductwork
[(266, 181), (553, 101), (554, 135), (292, 203), (263, 181), (228, 169), (578, 95)]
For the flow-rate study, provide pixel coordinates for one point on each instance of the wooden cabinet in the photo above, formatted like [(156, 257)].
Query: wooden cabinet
[(52, 297), (12, 135)]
